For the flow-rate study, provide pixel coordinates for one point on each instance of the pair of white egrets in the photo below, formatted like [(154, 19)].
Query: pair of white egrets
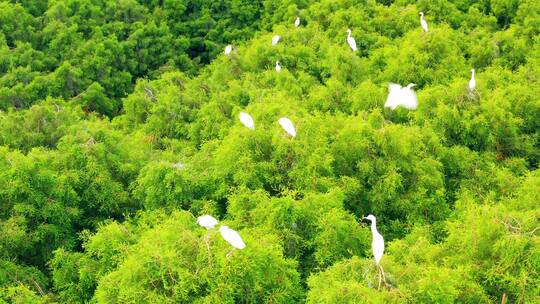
[(406, 97), (275, 38), (352, 42), (284, 122), (229, 47), (229, 235)]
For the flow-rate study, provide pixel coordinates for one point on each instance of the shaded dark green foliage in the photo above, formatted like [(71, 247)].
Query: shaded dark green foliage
[(65, 48)]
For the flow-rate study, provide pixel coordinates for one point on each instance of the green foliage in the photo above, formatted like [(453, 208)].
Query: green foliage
[(42, 125), (76, 45), (349, 281), (177, 261), (314, 230)]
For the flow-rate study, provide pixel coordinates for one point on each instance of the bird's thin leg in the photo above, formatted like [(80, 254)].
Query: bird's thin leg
[(383, 275), (380, 277), (473, 94), (230, 252)]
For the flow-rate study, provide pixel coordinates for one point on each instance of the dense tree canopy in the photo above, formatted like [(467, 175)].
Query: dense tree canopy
[(119, 127)]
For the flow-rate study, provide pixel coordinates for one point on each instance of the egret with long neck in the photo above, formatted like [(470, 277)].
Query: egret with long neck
[(472, 82), (377, 245), (351, 41), (423, 22), (472, 93)]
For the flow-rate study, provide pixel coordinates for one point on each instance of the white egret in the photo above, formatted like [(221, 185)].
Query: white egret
[(207, 221), (423, 22), (472, 82), (228, 50), (275, 39), (278, 67), (377, 245), (297, 22), (179, 165), (247, 120), (351, 41), (232, 237), (401, 96), (288, 126)]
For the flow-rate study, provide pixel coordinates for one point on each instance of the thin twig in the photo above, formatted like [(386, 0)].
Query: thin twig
[(41, 292), (150, 94)]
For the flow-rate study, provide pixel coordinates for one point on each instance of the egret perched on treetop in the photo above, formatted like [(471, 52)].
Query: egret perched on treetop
[(278, 67), (246, 119), (401, 96), (275, 39), (377, 245), (232, 237), (228, 49), (471, 89), (423, 22), (207, 221), (351, 41), (472, 82), (297, 22), (288, 126)]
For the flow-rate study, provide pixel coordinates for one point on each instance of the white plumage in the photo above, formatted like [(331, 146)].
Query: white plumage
[(401, 96), (207, 221), (275, 39), (179, 165), (232, 237), (423, 22), (472, 82), (278, 67), (351, 41), (394, 96), (247, 120), (377, 243), (228, 49), (288, 126), (297, 22)]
